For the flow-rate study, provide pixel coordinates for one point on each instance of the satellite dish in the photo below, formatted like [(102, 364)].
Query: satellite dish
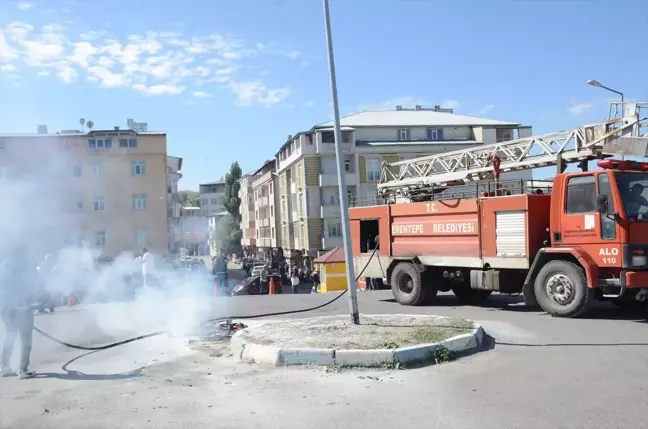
[(90, 124)]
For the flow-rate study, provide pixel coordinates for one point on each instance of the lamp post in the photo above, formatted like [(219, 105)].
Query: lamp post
[(344, 204), (598, 84)]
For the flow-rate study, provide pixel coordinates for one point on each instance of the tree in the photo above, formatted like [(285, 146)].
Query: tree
[(232, 186), (189, 198), (227, 235)]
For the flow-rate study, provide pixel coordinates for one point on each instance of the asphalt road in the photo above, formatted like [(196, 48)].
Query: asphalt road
[(537, 372)]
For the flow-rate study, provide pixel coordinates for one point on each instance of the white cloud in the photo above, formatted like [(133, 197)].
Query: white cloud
[(309, 104), (202, 94), (159, 89), (82, 53), (487, 108), (255, 92), (578, 109), (305, 63), (153, 63), (23, 5), (67, 74), (8, 68)]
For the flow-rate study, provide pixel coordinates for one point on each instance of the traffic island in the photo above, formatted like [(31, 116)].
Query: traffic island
[(393, 340)]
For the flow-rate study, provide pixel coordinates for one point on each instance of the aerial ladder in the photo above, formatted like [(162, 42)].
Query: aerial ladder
[(421, 179)]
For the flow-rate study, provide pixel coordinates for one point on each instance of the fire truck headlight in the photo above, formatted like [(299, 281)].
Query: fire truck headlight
[(638, 260)]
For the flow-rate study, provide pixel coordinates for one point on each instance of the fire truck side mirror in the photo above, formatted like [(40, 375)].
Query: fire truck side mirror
[(602, 204)]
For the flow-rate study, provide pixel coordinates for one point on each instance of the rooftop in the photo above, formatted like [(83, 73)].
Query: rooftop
[(331, 257), (412, 118), (215, 182), (92, 133)]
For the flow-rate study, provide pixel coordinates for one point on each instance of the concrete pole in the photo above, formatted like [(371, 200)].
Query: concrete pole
[(344, 203)]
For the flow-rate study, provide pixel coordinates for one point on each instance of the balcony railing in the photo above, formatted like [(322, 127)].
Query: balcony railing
[(330, 179)]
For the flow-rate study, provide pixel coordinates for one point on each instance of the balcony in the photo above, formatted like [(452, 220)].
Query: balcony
[(330, 179), (331, 242), (264, 222), (260, 180), (330, 211), (263, 201)]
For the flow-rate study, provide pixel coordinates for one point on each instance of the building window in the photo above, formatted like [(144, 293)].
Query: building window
[(373, 169), (76, 170), (205, 213), (140, 236), (347, 165), (96, 169), (127, 142), (403, 134), (334, 228), (271, 211), (100, 143), (99, 204), (139, 202), (204, 201), (434, 133), (100, 238), (77, 206), (138, 168), (328, 137), (214, 201), (299, 173)]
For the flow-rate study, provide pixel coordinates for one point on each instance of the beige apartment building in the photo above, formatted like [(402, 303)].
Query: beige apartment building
[(107, 189), (246, 209), (307, 169), (266, 201)]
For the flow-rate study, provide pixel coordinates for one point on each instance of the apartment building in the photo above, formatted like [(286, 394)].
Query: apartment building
[(212, 197), (105, 188), (246, 209), (266, 201), (174, 204), (307, 169), (195, 231)]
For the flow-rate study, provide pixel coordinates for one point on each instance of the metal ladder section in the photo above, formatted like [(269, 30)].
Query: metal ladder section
[(467, 165)]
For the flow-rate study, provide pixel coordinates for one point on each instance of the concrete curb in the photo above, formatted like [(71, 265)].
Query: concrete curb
[(284, 356)]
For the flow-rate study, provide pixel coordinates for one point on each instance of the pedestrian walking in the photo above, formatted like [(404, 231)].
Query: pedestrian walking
[(263, 277), (17, 293), (294, 282)]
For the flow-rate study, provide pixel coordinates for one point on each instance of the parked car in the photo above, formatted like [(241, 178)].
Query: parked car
[(252, 286)]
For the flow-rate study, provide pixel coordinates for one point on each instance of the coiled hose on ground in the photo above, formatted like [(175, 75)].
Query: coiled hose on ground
[(155, 334)]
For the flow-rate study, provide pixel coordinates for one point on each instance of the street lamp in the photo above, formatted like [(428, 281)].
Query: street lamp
[(344, 204), (599, 85)]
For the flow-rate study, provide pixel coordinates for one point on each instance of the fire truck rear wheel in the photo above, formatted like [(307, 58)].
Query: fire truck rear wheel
[(561, 289), (407, 286)]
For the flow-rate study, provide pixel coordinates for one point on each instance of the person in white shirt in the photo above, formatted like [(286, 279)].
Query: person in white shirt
[(294, 281), (147, 267)]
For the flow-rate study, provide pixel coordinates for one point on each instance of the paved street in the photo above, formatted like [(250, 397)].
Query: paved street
[(539, 372)]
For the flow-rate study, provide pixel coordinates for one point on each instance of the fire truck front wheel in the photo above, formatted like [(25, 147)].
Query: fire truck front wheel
[(561, 289), (407, 286)]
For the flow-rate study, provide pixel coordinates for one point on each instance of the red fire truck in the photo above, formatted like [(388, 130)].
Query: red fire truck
[(449, 223)]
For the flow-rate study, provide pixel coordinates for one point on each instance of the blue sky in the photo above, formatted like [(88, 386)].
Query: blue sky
[(229, 80)]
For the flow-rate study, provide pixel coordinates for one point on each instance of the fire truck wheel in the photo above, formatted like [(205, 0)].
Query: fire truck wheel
[(466, 294), (561, 289), (406, 285)]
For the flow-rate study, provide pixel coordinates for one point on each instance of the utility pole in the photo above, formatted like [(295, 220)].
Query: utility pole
[(344, 203)]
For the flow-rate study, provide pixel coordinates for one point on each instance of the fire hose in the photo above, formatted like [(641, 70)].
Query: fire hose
[(218, 319)]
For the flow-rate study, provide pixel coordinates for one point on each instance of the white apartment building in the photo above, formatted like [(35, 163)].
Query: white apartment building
[(195, 231), (174, 204), (307, 168), (266, 201), (212, 197), (246, 209)]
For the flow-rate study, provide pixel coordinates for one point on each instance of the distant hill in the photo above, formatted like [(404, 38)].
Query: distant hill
[(190, 198)]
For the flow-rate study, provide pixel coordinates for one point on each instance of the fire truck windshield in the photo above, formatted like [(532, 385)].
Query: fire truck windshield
[(634, 192)]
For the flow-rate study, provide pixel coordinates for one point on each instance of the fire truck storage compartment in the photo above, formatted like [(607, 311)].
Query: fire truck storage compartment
[(368, 235)]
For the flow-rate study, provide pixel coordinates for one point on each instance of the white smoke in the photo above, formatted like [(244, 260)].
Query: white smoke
[(36, 221)]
